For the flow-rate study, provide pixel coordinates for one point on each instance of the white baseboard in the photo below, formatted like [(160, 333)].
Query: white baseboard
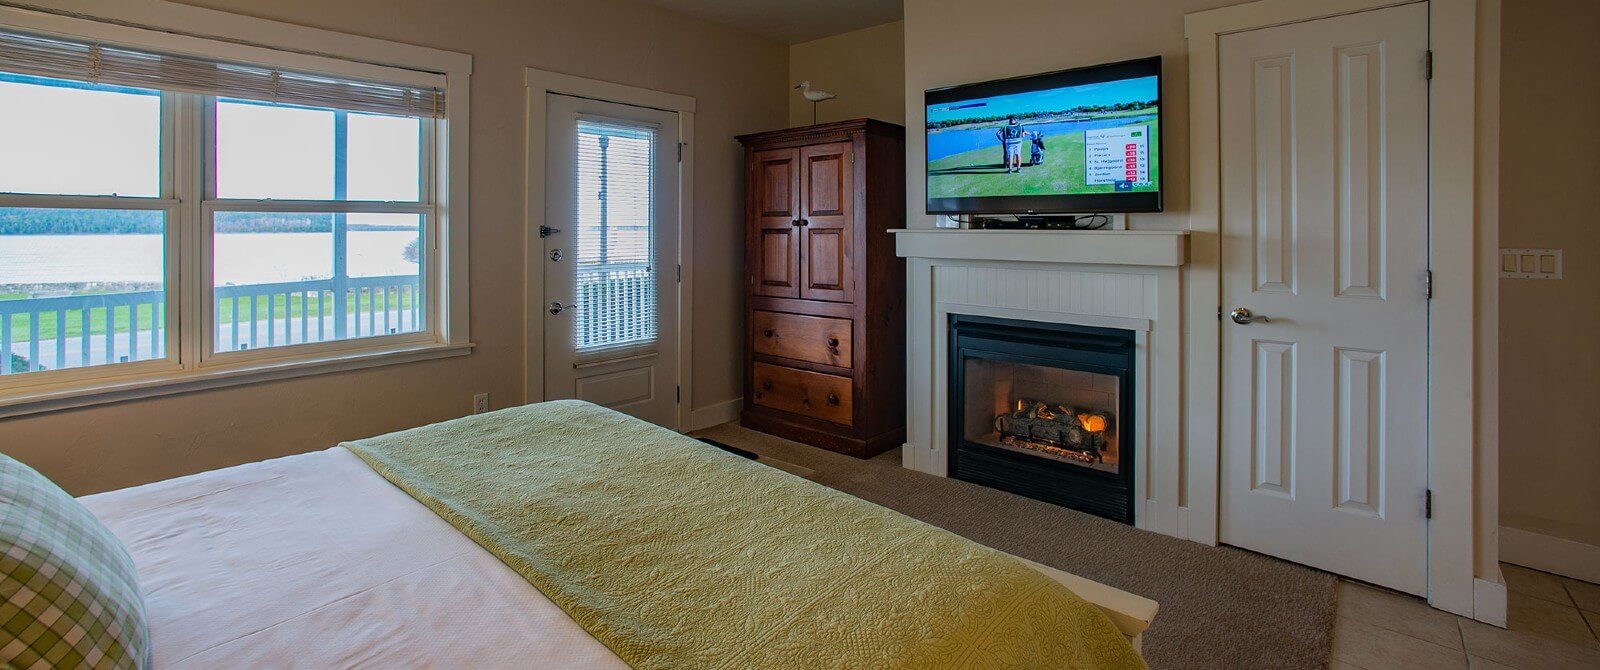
[(714, 415), (1549, 553), (1489, 601)]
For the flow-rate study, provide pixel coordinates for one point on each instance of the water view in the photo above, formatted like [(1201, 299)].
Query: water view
[(251, 258)]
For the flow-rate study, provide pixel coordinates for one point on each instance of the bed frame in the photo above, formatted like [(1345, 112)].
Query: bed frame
[(1131, 614)]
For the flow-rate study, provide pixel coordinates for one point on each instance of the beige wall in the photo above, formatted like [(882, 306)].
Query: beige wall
[(866, 68), (1550, 330), (727, 71)]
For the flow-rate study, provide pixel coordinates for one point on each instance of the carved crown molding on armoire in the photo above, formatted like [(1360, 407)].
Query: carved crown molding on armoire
[(824, 291)]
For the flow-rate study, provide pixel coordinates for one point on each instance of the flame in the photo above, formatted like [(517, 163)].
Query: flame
[(1093, 423)]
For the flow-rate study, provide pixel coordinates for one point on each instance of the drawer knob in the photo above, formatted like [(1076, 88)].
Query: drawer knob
[(833, 343), (768, 332), (766, 384), (833, 399)]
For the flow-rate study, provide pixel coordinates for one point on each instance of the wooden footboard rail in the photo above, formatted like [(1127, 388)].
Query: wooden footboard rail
[(1131, 614)]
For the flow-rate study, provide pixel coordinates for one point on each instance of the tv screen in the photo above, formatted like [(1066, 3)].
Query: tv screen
[(1086, 140)]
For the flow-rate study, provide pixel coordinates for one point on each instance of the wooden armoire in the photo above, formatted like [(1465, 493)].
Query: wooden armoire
[(824, 291)]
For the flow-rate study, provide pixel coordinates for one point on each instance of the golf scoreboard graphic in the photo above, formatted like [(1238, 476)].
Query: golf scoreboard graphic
[(1118, 156)]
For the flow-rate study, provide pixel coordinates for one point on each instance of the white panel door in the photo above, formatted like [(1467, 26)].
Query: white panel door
[(611, 257), (1325, 244)]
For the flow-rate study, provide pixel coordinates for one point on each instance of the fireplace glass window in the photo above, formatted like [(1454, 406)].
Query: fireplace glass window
[(1047, 412)]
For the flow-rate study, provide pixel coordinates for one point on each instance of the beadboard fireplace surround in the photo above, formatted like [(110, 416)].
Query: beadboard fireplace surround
[(1110, 279)]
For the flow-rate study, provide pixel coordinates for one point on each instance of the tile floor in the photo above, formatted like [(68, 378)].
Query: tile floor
[(1555, 624)]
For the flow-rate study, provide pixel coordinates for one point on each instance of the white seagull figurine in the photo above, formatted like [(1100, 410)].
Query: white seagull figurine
[(814, 97)]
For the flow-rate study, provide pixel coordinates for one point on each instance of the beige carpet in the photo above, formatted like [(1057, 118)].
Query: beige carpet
[(1220, 607)]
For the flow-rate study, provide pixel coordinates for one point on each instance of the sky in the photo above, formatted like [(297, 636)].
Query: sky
[(91, 140), (1050, 100)]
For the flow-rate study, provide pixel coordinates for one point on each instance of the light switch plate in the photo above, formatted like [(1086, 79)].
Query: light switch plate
[(1530, 263)]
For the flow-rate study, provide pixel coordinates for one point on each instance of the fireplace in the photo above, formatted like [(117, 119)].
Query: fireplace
[(1044, 410)]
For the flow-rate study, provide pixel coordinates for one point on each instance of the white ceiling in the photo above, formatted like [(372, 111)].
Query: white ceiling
[(790, 21)]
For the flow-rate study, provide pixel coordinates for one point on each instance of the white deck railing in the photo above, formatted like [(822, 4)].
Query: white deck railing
[(124, 327)]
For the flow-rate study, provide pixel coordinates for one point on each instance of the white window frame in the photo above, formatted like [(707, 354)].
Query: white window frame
[(190, 365), (210, 205), (165, 201)]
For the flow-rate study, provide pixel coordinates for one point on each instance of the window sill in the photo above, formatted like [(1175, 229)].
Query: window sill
[(38, 400)]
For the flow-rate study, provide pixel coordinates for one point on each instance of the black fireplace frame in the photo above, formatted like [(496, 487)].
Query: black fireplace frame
[(1108, 351)]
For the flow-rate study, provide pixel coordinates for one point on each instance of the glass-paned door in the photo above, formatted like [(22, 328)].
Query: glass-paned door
[(610, 256)]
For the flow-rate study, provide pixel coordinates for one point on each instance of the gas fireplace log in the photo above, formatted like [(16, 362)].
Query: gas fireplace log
[(1050, 424)]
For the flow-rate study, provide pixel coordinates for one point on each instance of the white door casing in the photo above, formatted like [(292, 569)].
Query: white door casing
[(1324, 128), (619, 281)]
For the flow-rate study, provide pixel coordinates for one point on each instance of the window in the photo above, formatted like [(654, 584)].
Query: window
[(83, 255), (303, 205), (318, 225), (615, 301)]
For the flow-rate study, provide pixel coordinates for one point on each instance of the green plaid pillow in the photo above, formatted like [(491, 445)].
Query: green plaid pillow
[(69, 597)]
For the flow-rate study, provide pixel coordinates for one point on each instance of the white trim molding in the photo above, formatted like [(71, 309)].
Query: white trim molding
[(145, 386), (714, 414), (1558, 555), (1452, 183), (1489, 600), (540, 84)]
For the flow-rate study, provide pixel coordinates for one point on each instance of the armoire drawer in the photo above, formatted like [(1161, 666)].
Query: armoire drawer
[(812, 394), (817, 339)]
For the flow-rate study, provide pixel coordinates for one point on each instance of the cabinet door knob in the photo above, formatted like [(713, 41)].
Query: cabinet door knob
[(802, 223), (796, 223)]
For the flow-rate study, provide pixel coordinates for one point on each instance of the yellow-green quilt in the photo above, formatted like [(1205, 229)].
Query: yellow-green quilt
[(677, 555)]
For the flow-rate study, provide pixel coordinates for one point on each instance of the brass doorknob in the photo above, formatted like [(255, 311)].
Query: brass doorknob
[(1242, 316)]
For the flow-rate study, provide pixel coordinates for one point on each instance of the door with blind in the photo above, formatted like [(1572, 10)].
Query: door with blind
[(611, 257)]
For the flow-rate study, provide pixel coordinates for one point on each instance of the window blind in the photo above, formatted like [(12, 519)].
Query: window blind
[(615, 291), (61, 58)]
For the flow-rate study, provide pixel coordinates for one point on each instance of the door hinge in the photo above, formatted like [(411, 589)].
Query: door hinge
[(1427, 61), (1429, 282), (680, 151), (677, 395), (1427, 504), (680, 274)]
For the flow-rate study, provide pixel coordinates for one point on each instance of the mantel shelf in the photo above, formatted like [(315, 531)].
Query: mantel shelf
[(1158, 248)]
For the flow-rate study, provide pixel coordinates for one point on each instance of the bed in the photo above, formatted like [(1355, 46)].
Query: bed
[(320, 560)]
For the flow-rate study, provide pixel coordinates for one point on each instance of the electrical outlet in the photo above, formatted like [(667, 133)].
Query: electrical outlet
[(480, 403)]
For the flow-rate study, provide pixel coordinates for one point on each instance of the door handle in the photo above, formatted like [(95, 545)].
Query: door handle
[(1243, 317), (556, 307)]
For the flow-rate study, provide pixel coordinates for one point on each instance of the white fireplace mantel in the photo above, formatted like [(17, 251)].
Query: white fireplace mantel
[(1117, 279), (1100, 247)]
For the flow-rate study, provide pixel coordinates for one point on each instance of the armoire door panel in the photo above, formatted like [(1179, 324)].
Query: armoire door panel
[(826, 259), (776, 255)]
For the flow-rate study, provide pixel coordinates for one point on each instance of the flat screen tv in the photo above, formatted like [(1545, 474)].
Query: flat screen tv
[(1086, 140)]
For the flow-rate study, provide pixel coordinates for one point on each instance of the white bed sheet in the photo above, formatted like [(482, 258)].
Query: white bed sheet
[(316, 561)]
